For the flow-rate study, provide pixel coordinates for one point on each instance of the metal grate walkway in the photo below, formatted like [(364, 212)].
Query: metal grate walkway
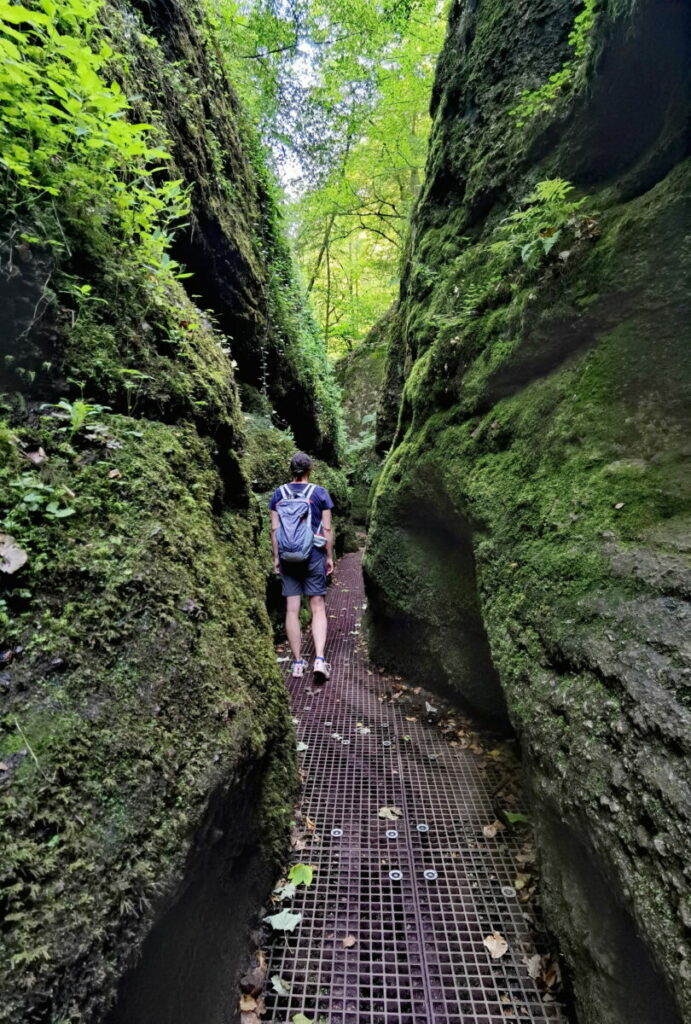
[(418, 955)]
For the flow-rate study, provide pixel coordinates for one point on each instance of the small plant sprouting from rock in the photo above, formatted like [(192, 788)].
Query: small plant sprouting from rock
[(542, 100), (532, 232)]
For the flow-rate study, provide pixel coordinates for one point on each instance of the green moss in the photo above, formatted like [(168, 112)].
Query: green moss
[(542, 411)]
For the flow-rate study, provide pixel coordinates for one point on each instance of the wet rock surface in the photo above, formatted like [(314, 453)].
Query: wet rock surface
[(545, 407)]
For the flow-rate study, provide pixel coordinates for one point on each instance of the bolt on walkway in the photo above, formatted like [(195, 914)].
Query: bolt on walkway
[(394, 923)]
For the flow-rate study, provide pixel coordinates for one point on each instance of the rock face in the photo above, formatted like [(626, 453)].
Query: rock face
[(536, 415), (146, 750)]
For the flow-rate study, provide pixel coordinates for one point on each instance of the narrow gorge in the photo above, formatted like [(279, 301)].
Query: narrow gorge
[(512, 436)]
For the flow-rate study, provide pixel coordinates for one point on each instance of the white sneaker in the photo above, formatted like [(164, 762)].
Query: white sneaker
[(298, 668), (322, 670)]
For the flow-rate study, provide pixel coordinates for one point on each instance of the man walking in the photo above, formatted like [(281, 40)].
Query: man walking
[(302, 542)]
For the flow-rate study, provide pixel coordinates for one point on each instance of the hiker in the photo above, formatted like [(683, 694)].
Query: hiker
[(302, 541)]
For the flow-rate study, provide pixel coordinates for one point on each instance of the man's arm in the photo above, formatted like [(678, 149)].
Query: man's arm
[(275, 522), (327, 527)]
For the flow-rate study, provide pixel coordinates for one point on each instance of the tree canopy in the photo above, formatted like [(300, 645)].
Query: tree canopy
[(340, 91)]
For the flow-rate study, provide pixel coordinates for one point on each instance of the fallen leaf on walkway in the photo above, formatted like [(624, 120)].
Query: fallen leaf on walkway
[(250, 1018), (429, 708), (285, 921), (496, 944), (300, 1018), (336, 736), (410, 718), (285, 892), (515, 818), (390, 813), (252, 983), (247, 1003), (521, 880), (550, 972), (534, 965), (281, 987), (310, 824), (301, 747), (301, 874), (349, 941), (490, 831)]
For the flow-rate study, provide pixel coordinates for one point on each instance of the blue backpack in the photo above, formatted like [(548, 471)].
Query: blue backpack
[(295, 536)]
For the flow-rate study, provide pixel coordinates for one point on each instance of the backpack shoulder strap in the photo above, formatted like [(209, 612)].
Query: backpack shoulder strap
[(309, 491), (285, 492)]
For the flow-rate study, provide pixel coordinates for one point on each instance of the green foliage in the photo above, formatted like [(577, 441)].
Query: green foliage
[(300, 874), (532, 232), (340, 91), (78, 412), (72, 154), (542, 100)]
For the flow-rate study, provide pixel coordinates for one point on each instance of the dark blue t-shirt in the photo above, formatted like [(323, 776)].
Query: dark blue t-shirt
[(321, 500)]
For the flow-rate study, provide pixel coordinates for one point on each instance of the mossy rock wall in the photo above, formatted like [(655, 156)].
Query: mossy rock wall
[(147, 763), (540, 410)]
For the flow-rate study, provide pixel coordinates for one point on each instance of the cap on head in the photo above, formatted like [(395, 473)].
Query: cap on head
[(300, 464)]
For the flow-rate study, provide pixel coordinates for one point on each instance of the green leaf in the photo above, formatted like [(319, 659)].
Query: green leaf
[(300, 1018), (513, 817), (300, 874)]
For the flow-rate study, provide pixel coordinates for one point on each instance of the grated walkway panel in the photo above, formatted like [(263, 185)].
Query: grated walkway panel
[(418, 955)]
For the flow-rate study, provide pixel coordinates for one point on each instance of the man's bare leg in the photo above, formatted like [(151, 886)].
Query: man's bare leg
[(293, 625), (318, 625)]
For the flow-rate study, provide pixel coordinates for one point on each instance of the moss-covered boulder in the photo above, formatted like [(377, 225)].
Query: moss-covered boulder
[(538, 405), (146, 750)]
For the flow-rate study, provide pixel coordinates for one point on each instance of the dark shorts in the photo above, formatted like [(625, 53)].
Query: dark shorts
[(298, 578)]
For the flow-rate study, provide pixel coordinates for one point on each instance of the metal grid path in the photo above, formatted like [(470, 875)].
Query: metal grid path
[(418, 955)]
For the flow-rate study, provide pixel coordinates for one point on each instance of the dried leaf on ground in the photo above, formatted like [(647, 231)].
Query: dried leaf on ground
[(12, 557), (37, 458), (250, 1018), (349, 941), (284, 922), (429, 708), (252, 983), (247, 1003), (496, 944), (285, 892), (114, 474), (534, 965), (390, 813), (551, 974), (301, 747), (281, 987), (521, 880), (490, 831)]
